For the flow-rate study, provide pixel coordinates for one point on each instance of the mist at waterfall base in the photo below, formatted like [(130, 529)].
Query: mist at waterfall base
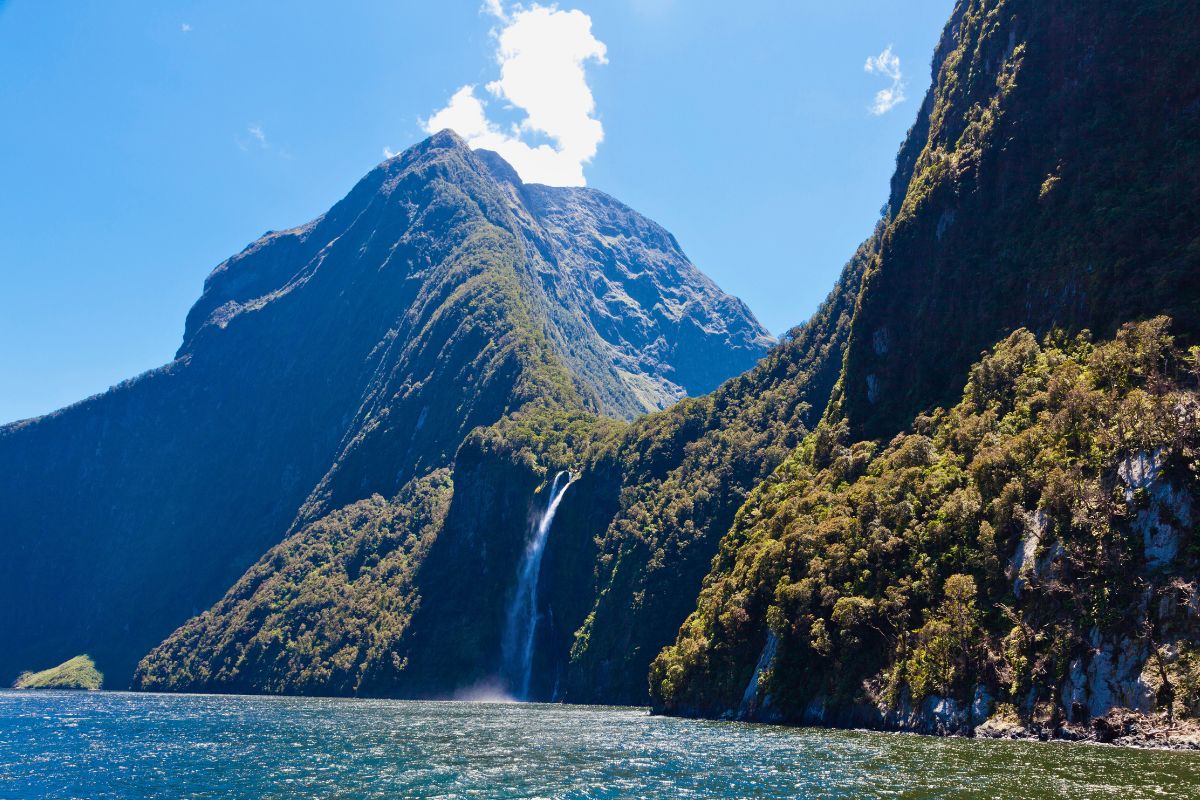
[(521, 621)]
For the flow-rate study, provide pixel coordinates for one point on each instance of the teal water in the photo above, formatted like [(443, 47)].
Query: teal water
[(117, 745)]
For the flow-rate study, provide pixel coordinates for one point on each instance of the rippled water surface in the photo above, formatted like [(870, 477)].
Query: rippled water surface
[(116, 745)]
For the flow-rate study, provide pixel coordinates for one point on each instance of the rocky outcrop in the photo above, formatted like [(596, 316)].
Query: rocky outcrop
[(1164, 509)]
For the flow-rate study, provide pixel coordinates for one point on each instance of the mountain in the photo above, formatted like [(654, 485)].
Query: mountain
[(1049, 181), (1022, 561), (334, 362), (407, 595), (960, 497), (632, 540), (1000, 542)]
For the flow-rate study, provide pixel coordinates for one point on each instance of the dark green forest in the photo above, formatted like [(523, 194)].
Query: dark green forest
[(986, 552)]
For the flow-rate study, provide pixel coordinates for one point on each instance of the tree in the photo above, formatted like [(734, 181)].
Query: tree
[(945, 648)]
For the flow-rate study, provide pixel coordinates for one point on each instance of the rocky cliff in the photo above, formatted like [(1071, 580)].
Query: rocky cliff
[(1020, 554), (1049, 181)]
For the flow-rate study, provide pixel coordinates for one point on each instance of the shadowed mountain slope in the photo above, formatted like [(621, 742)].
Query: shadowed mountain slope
[(1050, 181), (334, 361)]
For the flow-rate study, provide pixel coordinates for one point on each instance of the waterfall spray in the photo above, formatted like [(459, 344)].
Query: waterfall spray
[(522, 620)]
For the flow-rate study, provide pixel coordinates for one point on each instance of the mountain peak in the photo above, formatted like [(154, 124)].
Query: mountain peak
[(445, 139), (438, 145), (344, 358)]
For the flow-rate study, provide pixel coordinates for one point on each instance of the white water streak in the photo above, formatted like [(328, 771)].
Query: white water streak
[(518, 644)]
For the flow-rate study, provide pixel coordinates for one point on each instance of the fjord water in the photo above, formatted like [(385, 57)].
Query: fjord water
[(119, 745)]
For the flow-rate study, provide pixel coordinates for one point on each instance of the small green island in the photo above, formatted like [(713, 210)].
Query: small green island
[(77, 673)]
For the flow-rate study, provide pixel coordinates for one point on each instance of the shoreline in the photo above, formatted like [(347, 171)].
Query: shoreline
[(1120, 727)]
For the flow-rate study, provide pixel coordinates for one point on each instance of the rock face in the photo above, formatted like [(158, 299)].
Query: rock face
[(331, 362), (1164, 507), (1036, 189), (624, 279), (631, 282), (1031, 192)]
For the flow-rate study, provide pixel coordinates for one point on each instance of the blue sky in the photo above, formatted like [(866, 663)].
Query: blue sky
[(144, 142)]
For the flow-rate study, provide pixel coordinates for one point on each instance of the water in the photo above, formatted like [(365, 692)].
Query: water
[(118, 745), (522, 620)]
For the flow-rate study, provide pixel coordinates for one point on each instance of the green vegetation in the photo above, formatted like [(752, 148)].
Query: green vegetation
[(320, 613), (1033, 191), (77, 673), (329, 364), (1004, 543), (681, 475)]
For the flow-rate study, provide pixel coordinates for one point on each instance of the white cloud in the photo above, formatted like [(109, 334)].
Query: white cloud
[(886, 64), (256, 138), (542, 52), (388, 153), (495, 8)]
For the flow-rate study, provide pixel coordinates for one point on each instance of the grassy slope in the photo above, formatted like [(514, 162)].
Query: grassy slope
[(77, 673)]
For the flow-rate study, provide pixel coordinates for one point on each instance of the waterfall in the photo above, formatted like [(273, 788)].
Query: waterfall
[(517, 653)]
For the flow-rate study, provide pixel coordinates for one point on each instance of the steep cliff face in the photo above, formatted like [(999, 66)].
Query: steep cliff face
[(324, 365), (1049, 181), (1026, 555)]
